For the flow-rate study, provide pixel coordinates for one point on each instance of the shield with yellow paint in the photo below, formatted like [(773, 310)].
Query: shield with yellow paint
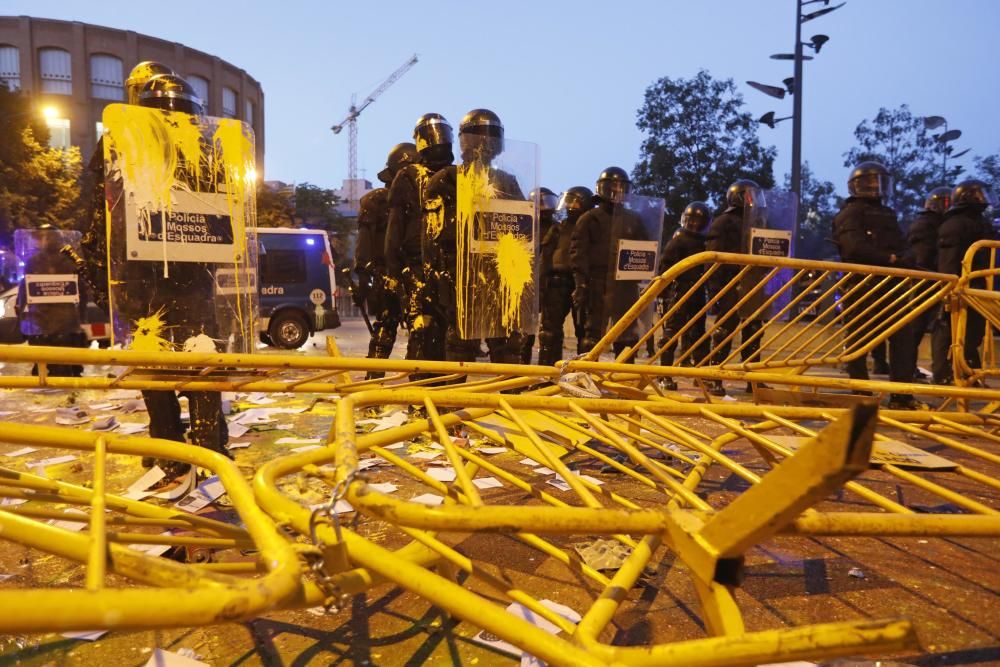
[(182, 254)]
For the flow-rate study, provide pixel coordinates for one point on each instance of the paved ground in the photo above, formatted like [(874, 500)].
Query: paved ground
[(948, 587)]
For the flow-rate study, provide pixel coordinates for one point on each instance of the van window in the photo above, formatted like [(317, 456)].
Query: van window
[(283, 266)]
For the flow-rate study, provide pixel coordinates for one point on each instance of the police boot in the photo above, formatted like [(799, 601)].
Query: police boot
[(906, 402), (715, 388)]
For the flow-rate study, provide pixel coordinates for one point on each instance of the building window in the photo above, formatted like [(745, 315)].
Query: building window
[(106, 78), (10, 67), (58, 132), (200, 86), (249, 112), (99, 130), (228, 102), (56, 71)]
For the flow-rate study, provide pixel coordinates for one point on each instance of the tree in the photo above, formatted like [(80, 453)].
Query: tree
[(818, 205), (38, 184), (899, 140), (275, 206), (988, 170), (698, 141), (306, 205)]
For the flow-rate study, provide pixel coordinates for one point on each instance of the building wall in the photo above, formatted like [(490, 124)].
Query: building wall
[(83, 40)]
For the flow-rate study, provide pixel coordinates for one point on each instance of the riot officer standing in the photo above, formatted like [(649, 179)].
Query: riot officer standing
[(381, 303), (687, 241), (556, 275), (593, 257), (405, 238), (964, 223), (730, 232), (481, 139), (922, 240), (546, 209), (866, 232)]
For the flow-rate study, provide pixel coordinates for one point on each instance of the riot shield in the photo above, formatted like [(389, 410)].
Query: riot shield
[(50, 299), (182, 249), (771, 234), (496, 274)]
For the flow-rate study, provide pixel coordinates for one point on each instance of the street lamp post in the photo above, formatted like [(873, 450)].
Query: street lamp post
[(946, 137)]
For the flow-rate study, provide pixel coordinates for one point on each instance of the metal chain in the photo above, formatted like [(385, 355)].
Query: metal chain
[(336, 599)]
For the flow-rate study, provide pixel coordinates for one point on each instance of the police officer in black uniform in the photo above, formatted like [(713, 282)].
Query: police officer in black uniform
[(407, 272), (922, 240), (964, 223), (381, 303), (688, 240), (866, 232), (593, 256), (729, 232), (480, 136), (547, 201), (556, 275)]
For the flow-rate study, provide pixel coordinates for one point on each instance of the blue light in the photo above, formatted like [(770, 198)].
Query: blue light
[(310, 241)]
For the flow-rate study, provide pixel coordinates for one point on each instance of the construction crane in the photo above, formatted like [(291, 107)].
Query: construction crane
[(351, 122)]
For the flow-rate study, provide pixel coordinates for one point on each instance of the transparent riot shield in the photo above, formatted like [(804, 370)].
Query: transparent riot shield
[(182, 249), (636, 230), (496, 274), (771, 234), (51, 298)]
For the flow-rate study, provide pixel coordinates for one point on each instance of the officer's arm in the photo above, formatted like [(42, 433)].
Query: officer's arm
[(393, 250), (363, 255), (579, 250), (856, 247)]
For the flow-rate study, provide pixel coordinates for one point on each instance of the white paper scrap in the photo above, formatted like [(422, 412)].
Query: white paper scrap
[(383, 487), (237, 430), (487, 483), (22, 451), (152, 476), (442, 474), (54, 461), (391, 420), (86, 635), (131, 428), (237, 445), (305, 448), (491, 450), (161, 658), (428, 499), (285, 427), (289, 440), (425, 456), (530, 462)]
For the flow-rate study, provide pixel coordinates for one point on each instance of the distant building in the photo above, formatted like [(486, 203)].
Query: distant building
[(73, 70), (348, 206)]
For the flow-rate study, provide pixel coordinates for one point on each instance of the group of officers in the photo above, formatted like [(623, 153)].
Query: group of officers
[(400, 272)]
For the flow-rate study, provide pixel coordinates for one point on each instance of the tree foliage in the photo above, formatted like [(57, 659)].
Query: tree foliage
[(698, 141), (38, 184), (306, 205), (818, 205), (988, 170), (899, 140)]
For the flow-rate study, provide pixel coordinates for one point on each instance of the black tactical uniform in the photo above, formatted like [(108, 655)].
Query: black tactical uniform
[(556, 277), (381, 303), (546, 209), (963, 225), (407, 272), (688, 240), (922, 240)]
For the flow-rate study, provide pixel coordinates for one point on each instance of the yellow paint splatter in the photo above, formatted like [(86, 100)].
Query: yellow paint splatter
[(515, 263), (148, 334), (473, 191), (434, 217)]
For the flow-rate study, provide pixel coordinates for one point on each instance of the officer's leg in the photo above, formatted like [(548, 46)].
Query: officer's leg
[(975, 329), (751, 349), (505, 349), (164, 415), (556, 305), (920, 325), (901, 355), (205, 408), (527, 345), (879, 364), (941, 367), (857, 369), (596, 320)]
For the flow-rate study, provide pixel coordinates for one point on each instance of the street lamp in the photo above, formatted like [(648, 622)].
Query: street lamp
[(793, 85), (943, 139), (49, 112)]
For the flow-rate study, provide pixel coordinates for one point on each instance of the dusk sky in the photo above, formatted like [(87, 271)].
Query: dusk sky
[(570, 76)]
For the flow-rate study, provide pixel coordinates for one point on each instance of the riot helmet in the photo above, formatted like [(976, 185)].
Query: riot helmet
[(138, 77), (574, 202), (870, 180), (400, 156), (171, 93), (613, 184), (480, 136), (547, 199), (938, 200), (696, 217), (745, 193), (973, 193), (433, 136)]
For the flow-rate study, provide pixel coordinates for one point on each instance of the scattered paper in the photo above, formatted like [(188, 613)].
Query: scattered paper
[(73, 526), (542, 470), (152, 549), (131, 428), (206, 493), (339, 507), (161, 658), (238, 445), (526, 614), (442, 474), (152, 476), (365, 464), (135, 405), (428, 499), (386, 422), (395, 445), (184, 486), (285, 427), (559, 483), (237, 430), (100, 406), (11, 502), (260, 398), (425, 456), (289, 440), (7, 413), (856, 572), (305, 448), (22, 451), (54, 461), (529, 462), (5, 577), (383, 487), (487, 483), (491, 450), (86, 635), (108, 423)]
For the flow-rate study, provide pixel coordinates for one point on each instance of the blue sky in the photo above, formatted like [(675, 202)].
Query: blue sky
[(571, 75)]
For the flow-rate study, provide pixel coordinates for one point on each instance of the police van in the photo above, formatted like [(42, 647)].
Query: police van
[(297, 285)]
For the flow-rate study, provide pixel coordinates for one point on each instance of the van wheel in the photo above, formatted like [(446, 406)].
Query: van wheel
[(265, 338), (288, 330)]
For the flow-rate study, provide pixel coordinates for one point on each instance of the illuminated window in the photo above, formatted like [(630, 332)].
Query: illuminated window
[(56, 71), (200, 85), (58, 132), (228, 102), (107, 81), (10, 67), (249, 112)]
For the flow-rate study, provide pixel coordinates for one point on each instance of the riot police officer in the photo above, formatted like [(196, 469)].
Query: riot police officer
[(688, 240), (381, 303), (593, 255), (546, 209), (405, 238), (866, 232), (481, 140), (922, 240), (730, 232), (556, 276), (964, 223)]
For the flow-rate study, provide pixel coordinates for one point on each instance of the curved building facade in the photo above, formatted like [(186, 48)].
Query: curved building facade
[(73, 70)]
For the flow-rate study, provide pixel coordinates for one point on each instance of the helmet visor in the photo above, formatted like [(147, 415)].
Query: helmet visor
[(432, 133), (547, 201), (874, 186), (612, 191)]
